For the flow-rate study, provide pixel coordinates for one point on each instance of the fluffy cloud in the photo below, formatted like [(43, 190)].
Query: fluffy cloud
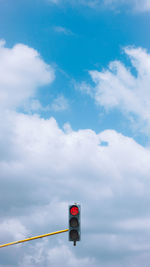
[(54, 257), (43, 168), (12, 228), (125, 88), (22, 71), (60, 103)]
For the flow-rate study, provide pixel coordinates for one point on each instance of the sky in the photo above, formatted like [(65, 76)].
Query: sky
[(75, 127)]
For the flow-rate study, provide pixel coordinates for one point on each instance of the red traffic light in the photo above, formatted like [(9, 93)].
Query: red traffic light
[(74, 210)]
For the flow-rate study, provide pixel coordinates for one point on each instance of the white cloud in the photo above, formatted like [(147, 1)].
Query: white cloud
[(60, 103), (44, 168), (136, 5), (63, 30), (118, 87), (135, 224), (42, 256), (12, 228), (22, 71)]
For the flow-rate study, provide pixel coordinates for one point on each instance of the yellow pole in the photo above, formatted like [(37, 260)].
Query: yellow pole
[(32, 238)]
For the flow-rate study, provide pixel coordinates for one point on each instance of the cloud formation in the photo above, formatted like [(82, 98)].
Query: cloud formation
[(46, 168), (124, 88), (63, 30), (22, 71), (54, 257), (59, 104), (136, 5), (43, 168)]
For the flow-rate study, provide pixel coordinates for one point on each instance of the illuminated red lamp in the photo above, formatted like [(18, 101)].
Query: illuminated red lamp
[(74, 210)]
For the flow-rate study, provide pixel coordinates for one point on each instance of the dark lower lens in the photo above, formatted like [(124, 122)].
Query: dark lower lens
[(74, 235), (74, 222)]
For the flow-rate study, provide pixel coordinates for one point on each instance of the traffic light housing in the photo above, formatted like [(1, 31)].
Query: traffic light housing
[(74, 223)]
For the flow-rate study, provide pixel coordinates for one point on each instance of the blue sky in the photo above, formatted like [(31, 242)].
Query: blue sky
[(91, 39), (75, 125)]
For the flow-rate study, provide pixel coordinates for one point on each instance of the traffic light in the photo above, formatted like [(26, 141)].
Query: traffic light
[(74, 223)]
